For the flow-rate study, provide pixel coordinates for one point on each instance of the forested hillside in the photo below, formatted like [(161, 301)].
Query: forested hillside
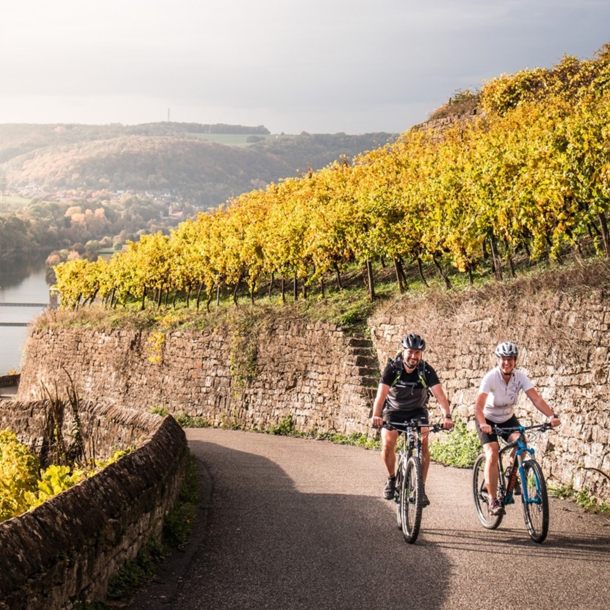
[(187, 161)]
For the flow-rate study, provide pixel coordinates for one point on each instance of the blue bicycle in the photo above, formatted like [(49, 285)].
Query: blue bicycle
[(532, 486)]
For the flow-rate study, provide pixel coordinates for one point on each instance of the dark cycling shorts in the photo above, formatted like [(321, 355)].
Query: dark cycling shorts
[(401, 417), (485, 438)]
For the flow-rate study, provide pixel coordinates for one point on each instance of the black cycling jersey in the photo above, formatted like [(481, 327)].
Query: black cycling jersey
[(408, 391)]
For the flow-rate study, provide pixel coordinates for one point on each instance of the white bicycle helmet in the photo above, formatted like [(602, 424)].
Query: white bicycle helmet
[(506, 349)]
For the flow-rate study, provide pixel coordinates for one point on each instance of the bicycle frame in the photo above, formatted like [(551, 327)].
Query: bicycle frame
[(411, 441), (520, 443)]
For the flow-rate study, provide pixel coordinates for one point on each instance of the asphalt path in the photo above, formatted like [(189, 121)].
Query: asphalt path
[(290, 523)]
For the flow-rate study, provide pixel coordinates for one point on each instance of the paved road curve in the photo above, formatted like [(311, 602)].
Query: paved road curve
[(299, 524)]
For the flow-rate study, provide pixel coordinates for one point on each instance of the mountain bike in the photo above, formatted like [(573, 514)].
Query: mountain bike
[(531, 484), (409, 478)]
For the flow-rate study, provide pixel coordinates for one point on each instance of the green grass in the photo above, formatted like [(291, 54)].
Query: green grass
[(285, 427)]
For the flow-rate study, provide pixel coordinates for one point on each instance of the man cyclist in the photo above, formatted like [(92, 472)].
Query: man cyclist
[(495, 402), (403, 393)]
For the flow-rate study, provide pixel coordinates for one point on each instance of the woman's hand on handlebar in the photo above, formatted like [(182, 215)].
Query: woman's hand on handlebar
[(486, 428)]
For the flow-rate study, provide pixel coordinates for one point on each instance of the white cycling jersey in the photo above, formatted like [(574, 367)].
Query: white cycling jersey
[(502, 396)]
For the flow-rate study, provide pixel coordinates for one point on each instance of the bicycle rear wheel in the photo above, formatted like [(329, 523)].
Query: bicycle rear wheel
[(411, 497), (535, 501), (481, 495)]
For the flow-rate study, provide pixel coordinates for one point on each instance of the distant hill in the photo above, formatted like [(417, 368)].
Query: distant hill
[(204, 164)]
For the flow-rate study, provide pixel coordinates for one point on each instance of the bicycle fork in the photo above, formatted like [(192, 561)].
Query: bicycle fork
[(525, 493)]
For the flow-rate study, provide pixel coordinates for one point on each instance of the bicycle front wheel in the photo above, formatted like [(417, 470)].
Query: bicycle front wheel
[(411, 497), (399, 480), (535, 501), (481, 495)]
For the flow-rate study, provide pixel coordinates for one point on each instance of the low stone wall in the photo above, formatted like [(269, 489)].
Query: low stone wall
[(324, 378), (67, 549), (564, 348)]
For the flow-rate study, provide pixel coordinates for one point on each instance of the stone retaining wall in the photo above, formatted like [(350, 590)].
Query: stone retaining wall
[(313, 371), (67, 549), (326, 379), (564, 348)]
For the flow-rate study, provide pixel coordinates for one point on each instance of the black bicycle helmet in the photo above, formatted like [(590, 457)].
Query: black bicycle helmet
[(413, 341), (506, 349)]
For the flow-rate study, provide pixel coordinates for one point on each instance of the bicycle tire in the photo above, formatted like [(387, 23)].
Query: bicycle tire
[(399, 479), (536, 510), (481, 495), (411, 498)]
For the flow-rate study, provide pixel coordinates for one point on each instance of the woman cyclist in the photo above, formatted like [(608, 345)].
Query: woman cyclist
[(495, 402)]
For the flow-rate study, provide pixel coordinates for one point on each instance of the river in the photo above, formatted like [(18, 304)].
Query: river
[(20, 282)]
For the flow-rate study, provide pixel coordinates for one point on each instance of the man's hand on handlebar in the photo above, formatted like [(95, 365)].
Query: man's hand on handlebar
[(376, 421), (486, 428), (448, 423)]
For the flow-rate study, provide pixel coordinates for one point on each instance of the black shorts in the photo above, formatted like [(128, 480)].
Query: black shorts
[(485, 438), (400, 417)]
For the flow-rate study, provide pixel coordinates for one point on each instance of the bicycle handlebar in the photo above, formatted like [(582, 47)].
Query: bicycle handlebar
[(414, 424), (542, 427)]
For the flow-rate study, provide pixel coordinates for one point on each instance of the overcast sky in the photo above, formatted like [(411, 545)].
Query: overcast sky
[(317, 65)]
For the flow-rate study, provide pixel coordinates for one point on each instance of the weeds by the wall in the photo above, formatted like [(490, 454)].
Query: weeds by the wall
[(355, 439), (186, 421), (155, 344), (245, 331), (135, 573), (57, 446), (286, 427), (582, 498), (459, 449)]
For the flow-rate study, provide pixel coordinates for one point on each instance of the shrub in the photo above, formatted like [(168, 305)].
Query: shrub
[(18, 476), (284, 428), (459, 449)]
